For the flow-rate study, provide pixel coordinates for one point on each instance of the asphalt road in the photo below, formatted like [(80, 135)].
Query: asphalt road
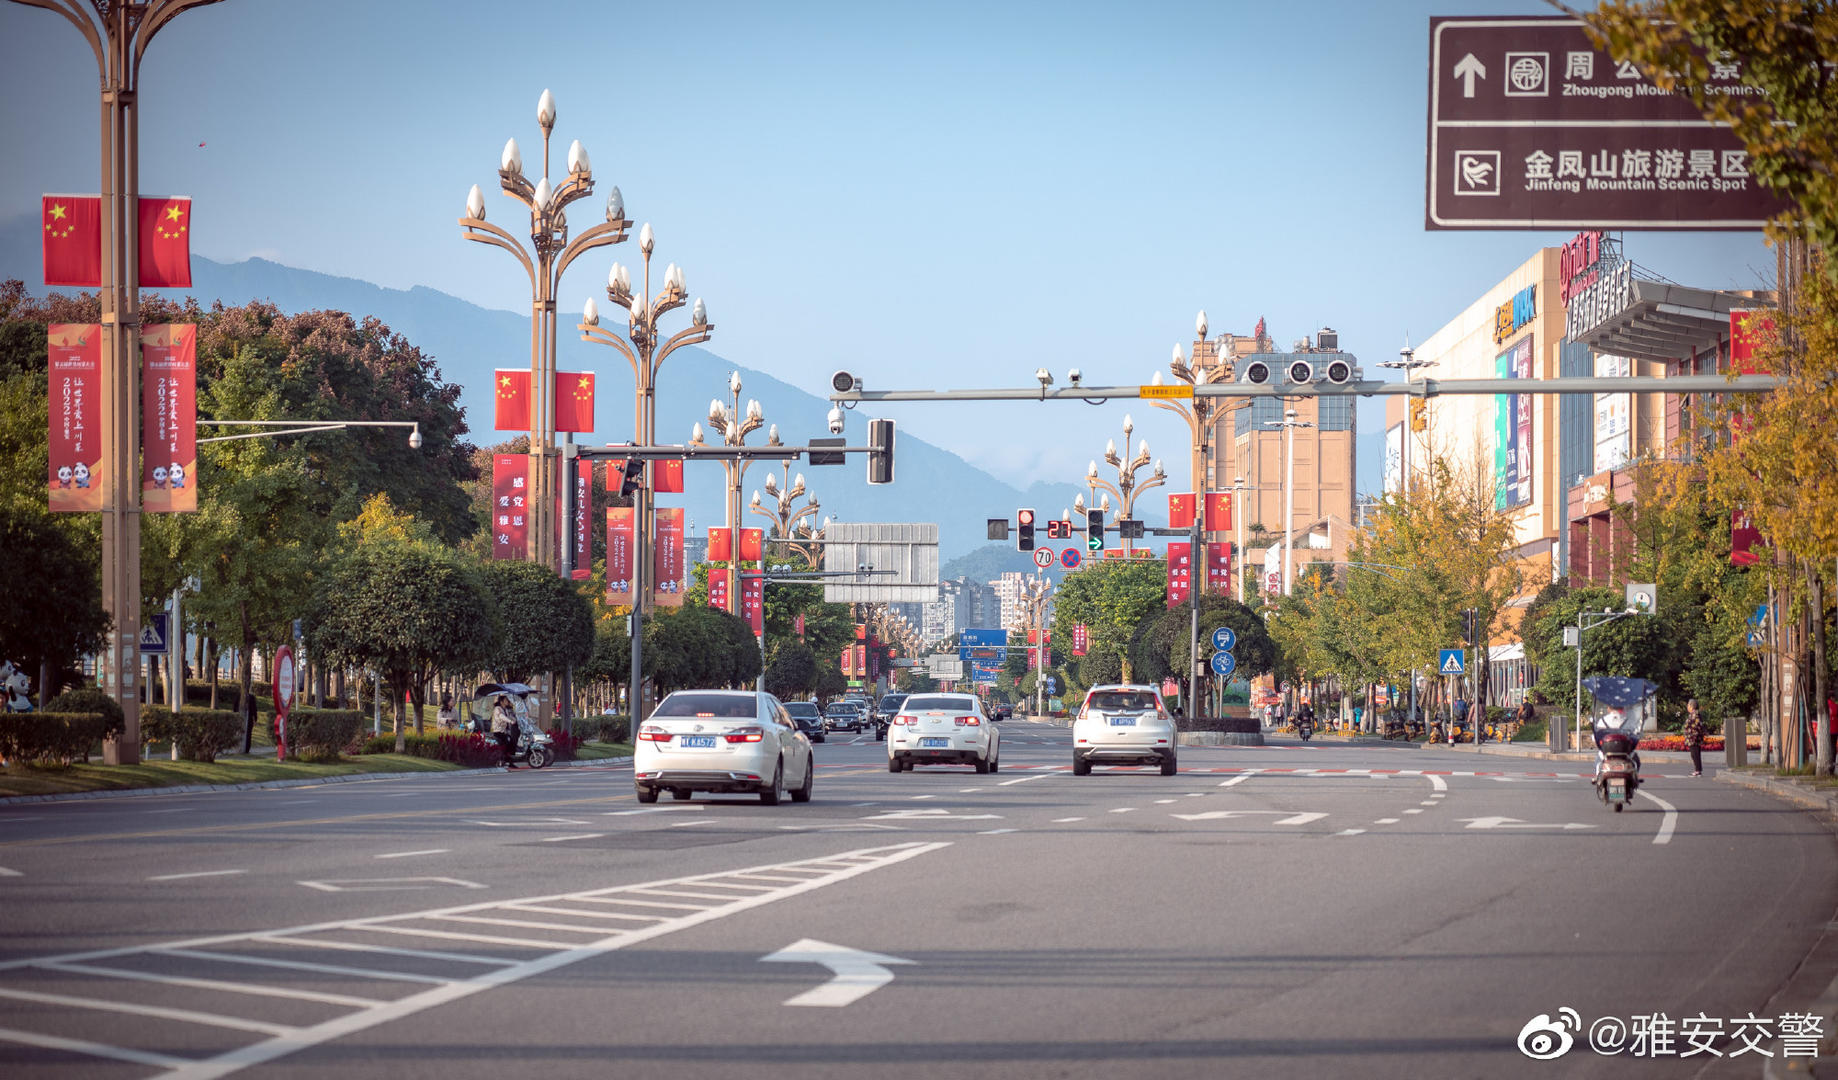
[(1291, 910)]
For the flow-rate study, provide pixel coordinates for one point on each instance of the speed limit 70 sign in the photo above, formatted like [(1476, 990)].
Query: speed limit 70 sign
[(1043, 557)]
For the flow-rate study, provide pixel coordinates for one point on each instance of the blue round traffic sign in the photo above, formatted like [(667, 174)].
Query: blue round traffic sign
[(1224, 639), (1070, 557), (1224, 663)]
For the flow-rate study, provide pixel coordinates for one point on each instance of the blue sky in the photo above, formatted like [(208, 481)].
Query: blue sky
[(937, 195)]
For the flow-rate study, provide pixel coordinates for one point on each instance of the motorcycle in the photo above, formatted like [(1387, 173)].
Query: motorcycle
[(1305, 728), (1616, 720), (535, 747)]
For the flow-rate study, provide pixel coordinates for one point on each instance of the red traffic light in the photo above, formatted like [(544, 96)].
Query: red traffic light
[(1024, 517)]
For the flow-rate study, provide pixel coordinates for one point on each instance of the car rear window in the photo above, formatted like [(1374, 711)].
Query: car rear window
[(801, 708), (1122, 699), (723, 706), (892, 701), (930, 702)]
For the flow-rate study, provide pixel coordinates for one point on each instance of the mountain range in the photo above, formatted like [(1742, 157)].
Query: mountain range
[(469, 342)]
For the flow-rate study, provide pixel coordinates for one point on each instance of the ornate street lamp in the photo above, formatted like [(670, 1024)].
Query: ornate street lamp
[(788, 521), (1206, 364), (734, 428), (1126, 489), (547, 258)]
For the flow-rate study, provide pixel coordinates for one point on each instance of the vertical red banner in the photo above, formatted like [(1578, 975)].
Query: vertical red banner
[(510, 522), (74, 367), (1743, 538), (583, 518), (1219, 568), (718, 588), (73, 240), (1180, 511), (848, 660), (1218, 511), (619, 555), (752, 545), (169, 418), (667, 558), (1749, 329), (720, 545), (667, 476), (861, 660), (1180, 571), (1081, 638), (797, 624), (753, 601)]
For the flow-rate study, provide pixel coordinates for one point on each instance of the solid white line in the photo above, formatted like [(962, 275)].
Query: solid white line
[(1386, 821), (1163, 802), (652, 810), (198, 873), (1349, 832), (254, 989), (581, 914), (1124, 810), (93, 1049), (1064, 820), (528, 924), (386, 950), (1024, 779), (925, 796), (1414, 810), (994, 832), (686, 824), (1664, 836), (406, 854), (8, 872), (522, 943), (172, 810), (302, 965), (186, 1015), (1427, 802), (576, 836), (1236, 780)]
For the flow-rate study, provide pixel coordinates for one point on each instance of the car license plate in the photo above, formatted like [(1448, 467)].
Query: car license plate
[(700, 741), (923, 743), (1123, 721)]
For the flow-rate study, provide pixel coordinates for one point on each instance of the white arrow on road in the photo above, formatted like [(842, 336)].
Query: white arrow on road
[(856, 973), (928, 815), (1468, 69), (1515, 823), (1214, 815)]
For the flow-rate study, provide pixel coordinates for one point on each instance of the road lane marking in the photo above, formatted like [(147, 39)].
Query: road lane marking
[(576, 836), (1215, 815), (1066, 820), (968, 790), (1427, 802), (92, 1049), (1236, 780), (1024, 779), (9, 872), (1124, 810), (195, 874), (172, 810), (854, 973), (1349, 832), (1664, 836), (1164, 802), (1414, 810), (1386, 821), (690, 824), (996, 832), (409, 854), (256, 990), (652, 810), (925, 796), (1437, 782)]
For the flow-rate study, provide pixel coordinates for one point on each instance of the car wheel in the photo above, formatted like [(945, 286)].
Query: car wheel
[(893, 764), (776, 792), (1080, 767), (679, 793), (1169, 766), (647, 794), (995, 763), (802, 793), (982, 765)]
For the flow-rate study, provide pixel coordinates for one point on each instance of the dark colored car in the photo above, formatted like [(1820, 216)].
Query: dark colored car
[(890, 704), (842, 715), (808, 718), (1002, 711)]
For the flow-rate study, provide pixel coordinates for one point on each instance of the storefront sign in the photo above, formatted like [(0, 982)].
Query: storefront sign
[(1578, 263), (1515, 313), (1512, 439), (1595, 304)]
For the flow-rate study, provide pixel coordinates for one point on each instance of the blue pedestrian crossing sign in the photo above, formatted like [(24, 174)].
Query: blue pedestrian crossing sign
[(1452, 663), (153, 635), (1224, 663), (1224, 639)]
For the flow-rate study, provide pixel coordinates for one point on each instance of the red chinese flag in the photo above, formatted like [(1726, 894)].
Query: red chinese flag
[(752, 545), (1743, 538), (513, 398), (574, 401), (753, 601), (73, 240), (667, 558), (1218, 511), (74, 368), (619, 555), (165, 243), (510, 521), (169, 418), (1180, 572), (1180, 511), (667, 476), (720, 545), (1749, 329)]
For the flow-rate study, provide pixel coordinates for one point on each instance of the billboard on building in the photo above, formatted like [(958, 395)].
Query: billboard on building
[(1512, 430), (1394, 459), (1614, 430)]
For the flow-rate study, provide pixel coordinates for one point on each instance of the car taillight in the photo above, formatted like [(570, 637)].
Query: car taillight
[(905, 720), (649, 733), (745, 735), (969, 721)]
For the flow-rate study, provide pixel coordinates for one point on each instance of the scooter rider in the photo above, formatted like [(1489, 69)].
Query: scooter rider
[(504, 728)]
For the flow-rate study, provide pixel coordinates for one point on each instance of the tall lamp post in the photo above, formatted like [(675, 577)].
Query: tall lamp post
[(787, 519), (733, 427), (1127, 465), (1206, 365), (118, 36), (646, 354), (1407, 362), (1238, 486), (549, 254), (1289, 424)]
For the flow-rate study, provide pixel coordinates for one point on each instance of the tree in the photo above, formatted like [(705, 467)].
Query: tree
[(408, 609), (1111, 599), (700, 647), (53, 615), (544, 622), (793, 671)]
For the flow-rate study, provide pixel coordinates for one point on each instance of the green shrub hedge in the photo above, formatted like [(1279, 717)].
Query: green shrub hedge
[(90, 699), (200, 734), (606, 729), (50, 736), (461, 748), (322, 735)]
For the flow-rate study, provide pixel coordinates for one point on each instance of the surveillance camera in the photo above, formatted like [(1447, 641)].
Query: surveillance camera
[(1045, 377), (414, 439), (842, 382), (1256, 372), (835, 421), (1339, 372), (1074, 376), (1301, 371)]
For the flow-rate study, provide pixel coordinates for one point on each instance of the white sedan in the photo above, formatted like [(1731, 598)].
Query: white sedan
[(722, 741), (943, 729)]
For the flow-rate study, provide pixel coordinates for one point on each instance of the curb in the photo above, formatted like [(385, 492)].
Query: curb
[(257, 785), (1824, 804)]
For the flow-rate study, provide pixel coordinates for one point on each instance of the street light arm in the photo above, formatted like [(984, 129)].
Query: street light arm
[(159, 13), (603, 336), (69, 10), (695, 335), (518, 187), (611, 232), (498, 238)]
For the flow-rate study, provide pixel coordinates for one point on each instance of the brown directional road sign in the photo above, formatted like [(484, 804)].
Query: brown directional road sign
[(1531, 127)]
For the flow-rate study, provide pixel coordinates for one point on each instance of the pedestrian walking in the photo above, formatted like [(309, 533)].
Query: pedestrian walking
[(1526, 713), (504, 728), (1694, 736)]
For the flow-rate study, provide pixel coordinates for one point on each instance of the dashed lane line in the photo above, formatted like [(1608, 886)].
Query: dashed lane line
[(576, 836), (197, 874), (1023, 779), (411, 854), (579, 926), (1386, 821), (1066, 820)]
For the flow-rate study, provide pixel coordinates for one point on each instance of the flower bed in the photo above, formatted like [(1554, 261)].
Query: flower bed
[(1677, 742)]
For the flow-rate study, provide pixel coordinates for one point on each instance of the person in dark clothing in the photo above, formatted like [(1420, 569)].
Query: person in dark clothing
[(1694, 736)]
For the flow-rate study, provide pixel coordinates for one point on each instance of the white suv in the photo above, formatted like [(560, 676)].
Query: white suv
[(1123, 724), (942, 729)]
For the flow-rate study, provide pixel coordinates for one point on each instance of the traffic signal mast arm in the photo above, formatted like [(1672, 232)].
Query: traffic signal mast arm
[(1572, 384)]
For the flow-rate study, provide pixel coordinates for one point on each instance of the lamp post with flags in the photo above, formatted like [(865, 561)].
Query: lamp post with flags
[(1127, 465), (786, 516), (545, 260), (118, 36), (734, 427), (1208, 363)]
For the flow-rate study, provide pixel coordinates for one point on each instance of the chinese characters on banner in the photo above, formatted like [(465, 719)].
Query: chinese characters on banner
[(619, 555), (582, 565), (667, 558), (1081, 638), (1180, 571), (718, 588), (720, 545), (1219, 568), (75, 370), (1218, 511), (753, 601), (1180, 511), (169, 417), (510, 487), (848, 660)]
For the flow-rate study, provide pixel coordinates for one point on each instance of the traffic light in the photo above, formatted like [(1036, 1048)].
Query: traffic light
[(1024, 530), (998, 528), (633, 479), (1419, 414), (1130, 529), (1094, 530), (1467, 625), (880, 451)]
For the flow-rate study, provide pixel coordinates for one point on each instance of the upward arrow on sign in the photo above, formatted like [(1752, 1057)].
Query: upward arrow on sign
[(1468, 69)]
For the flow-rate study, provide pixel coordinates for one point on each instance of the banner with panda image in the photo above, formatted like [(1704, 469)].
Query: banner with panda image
[(75, 381), (169, 418)]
